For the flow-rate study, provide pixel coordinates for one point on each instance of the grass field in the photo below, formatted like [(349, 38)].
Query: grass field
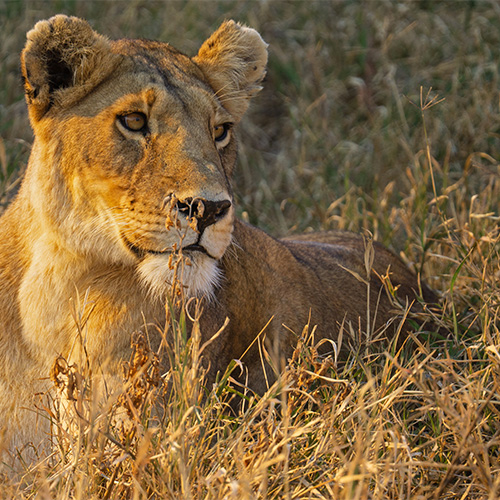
[(377, 115)]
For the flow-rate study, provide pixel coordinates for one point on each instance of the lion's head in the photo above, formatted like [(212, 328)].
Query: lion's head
[(134, 145)]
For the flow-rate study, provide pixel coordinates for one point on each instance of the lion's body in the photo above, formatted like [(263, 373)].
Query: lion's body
[(132, 158)]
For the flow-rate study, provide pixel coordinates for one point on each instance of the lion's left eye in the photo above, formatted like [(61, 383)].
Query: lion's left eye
[(135, 122), (221, 132)]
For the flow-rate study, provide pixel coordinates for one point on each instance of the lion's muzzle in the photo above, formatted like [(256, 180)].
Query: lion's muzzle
[(194, 228)]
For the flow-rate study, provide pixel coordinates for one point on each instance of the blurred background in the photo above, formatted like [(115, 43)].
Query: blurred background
[(354, 95)]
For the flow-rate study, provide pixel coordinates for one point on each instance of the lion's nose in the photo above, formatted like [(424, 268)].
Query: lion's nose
[(204, 211)]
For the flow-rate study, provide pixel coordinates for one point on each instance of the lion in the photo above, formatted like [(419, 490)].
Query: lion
[(133, 154)]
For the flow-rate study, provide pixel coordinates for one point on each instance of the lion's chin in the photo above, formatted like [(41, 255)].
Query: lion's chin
[(198, 275)]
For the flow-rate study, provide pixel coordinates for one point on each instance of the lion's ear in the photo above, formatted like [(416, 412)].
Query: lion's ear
[(63, 59), (234, 62)]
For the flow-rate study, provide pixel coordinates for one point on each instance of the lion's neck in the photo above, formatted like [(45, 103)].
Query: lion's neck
[(48, 287), (255, 271), (255, 259)]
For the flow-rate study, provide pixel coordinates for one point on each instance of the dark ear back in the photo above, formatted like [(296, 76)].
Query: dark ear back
[(63, 60)]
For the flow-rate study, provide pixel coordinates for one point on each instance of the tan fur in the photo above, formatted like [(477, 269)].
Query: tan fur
[(100, 209)]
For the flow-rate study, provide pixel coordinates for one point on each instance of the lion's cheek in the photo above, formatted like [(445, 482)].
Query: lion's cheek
[(217, 237)]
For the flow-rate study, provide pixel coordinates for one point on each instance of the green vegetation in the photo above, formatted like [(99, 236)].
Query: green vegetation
[(380, 116)]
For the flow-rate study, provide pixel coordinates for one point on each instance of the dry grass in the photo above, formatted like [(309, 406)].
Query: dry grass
[(347, 134)]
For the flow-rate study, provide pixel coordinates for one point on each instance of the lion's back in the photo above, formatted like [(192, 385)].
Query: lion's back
[(348, 262)]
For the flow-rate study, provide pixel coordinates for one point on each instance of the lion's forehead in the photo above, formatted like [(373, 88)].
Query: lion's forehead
[(146, 91), (160, 60), (156, 76)]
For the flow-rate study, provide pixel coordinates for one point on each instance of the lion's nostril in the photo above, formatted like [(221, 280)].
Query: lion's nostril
[(204, 211), (185, 206), (211, 213), (200, 209), (222, 208)]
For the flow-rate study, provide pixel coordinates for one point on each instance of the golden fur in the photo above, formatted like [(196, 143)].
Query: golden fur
[(133, 155)]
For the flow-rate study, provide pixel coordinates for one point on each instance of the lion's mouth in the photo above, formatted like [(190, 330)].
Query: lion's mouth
[(141, 252), (196, 248)]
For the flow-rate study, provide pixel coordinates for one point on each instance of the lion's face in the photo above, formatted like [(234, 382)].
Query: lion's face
[(155, 175), (135, 151)]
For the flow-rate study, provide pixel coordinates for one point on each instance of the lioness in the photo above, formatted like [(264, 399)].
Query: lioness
[(132, 159)]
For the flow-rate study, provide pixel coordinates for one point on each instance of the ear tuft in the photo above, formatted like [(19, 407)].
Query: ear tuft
[(234, 62), (63, 53)]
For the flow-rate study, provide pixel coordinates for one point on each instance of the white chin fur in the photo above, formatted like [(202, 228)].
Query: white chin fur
[(198, 279)]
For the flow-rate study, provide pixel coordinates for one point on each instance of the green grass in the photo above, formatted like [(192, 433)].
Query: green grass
[(348, 133)]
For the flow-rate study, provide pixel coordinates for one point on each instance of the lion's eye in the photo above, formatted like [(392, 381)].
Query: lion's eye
[(135, 122), (221, 132)]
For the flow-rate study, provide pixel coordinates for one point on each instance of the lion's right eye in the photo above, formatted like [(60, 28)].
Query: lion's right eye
[(135, 122), (222, 134)]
